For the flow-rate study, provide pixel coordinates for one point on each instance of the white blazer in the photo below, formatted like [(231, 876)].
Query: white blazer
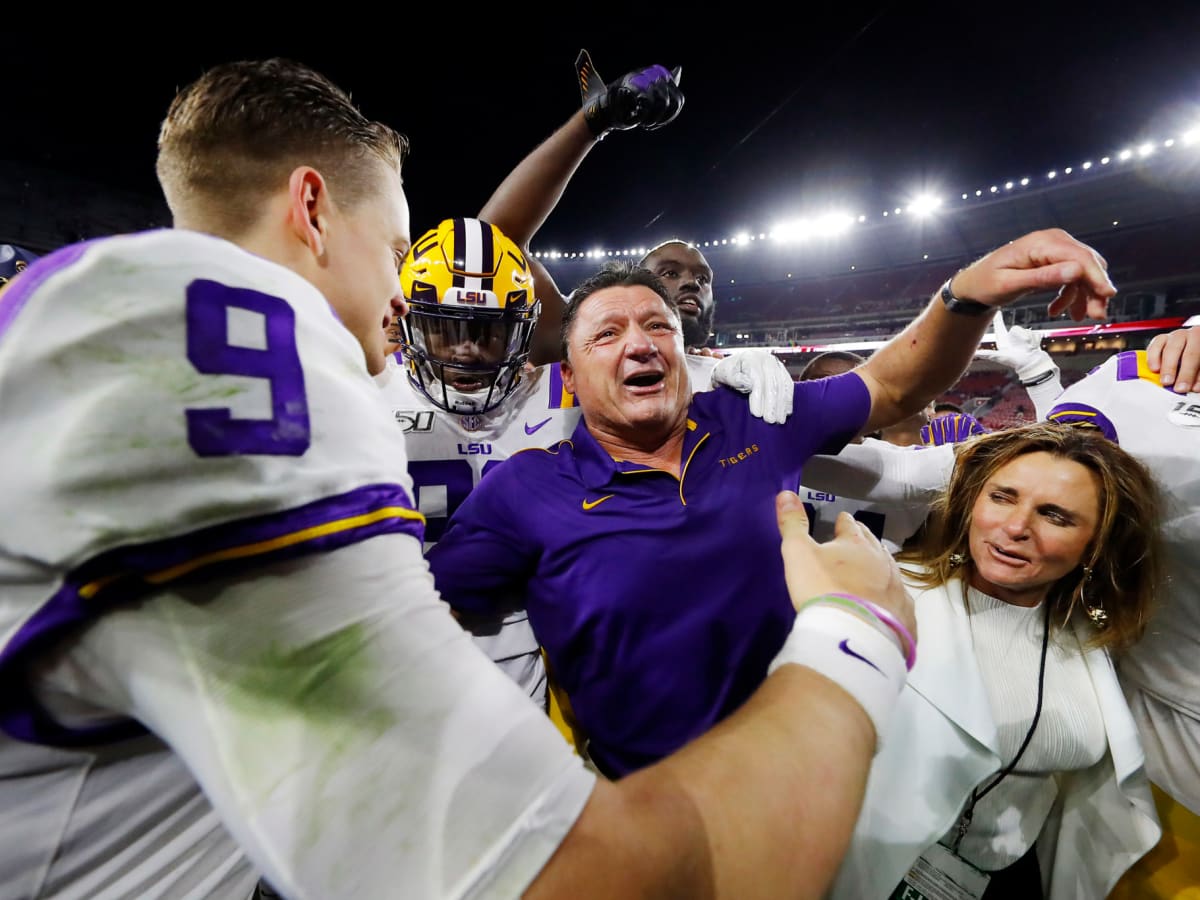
[(943, 742)]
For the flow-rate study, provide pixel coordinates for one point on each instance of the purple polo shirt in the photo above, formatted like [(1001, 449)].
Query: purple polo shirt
[(659, 601)]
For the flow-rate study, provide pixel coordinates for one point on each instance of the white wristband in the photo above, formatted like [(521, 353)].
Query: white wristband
[(855, 655)]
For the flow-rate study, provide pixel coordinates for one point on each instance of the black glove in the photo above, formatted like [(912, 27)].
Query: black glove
[(648, 98)]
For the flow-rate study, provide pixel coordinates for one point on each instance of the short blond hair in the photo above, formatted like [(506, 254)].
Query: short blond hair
[(233, 136)]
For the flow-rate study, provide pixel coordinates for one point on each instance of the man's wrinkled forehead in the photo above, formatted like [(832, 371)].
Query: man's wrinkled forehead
[(624, 302)]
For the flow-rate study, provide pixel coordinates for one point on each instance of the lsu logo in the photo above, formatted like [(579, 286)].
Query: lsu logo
[(414, 420), (479, 449), (822, 495)]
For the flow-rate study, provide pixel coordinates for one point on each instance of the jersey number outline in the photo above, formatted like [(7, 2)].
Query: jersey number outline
[(457, 476), (873, 520), (215, 431)]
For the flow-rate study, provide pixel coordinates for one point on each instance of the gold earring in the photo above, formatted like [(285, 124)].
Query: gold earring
[(1096, 613), (956, 560)]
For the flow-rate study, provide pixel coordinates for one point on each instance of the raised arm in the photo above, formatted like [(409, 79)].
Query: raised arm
[(644, 98), (935, 349), (1021, 350)]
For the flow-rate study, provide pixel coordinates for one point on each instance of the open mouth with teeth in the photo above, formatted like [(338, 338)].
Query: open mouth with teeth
[(467, 382), (688, 305)]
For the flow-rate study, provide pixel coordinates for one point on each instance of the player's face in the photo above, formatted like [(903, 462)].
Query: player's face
[(688, 278), (1031, 525), (469, 344), (625, 361), (365, 246)]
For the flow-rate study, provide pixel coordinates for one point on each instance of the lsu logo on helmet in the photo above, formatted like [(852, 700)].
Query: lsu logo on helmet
[(472, 314)]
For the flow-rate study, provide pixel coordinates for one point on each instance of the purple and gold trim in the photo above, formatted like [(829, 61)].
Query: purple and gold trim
[(560, 397), (1133, 365), (13, 300), (1083, 414), (126, 573)]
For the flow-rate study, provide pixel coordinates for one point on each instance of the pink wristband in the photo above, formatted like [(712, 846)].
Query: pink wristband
[(906, 637)]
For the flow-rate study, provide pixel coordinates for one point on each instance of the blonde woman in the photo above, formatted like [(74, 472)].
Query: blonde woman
[(1015, 768)]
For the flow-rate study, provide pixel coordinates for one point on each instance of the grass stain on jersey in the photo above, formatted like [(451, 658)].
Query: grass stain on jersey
[(297, 699)]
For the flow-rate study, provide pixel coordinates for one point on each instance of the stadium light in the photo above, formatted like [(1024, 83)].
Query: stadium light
[(792, 232), (1024, 181), (925, 205), (834, 223), (741, 239), (1087, 165), (1191, 136), (1104, 161), (1125, 154), (1145, 150)]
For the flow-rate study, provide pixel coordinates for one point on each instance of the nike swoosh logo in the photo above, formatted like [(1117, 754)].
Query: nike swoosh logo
[(529, 430), (592, 504), (845, 649)]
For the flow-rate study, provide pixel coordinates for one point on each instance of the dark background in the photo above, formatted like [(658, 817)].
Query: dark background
[(790, 107)]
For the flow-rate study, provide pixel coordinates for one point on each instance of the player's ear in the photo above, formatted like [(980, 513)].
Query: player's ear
[(309, 208), (568, 376)]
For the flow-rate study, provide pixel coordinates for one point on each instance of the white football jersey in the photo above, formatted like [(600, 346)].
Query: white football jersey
[(164, 411), (1125, 399), (886, 487), (182, 422)]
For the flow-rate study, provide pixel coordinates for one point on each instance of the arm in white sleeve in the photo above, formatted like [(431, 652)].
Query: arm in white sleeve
[(349, 734), (879, 472), (1045, 395)]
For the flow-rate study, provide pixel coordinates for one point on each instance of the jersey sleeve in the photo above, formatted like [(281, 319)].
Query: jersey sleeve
[(880, 472), (360, 748), (174, 407), (1088, 401)]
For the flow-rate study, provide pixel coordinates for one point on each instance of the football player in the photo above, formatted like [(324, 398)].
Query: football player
[(221, 650)]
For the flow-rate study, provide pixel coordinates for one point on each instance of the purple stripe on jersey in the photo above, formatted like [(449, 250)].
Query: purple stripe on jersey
[(1083, 414), (124, 571), (1127, 365), (22, 288)]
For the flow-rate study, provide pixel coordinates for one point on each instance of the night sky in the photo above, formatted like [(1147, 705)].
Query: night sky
[(850, 105)]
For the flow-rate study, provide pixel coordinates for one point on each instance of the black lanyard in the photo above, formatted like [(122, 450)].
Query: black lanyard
[(964, 821)]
